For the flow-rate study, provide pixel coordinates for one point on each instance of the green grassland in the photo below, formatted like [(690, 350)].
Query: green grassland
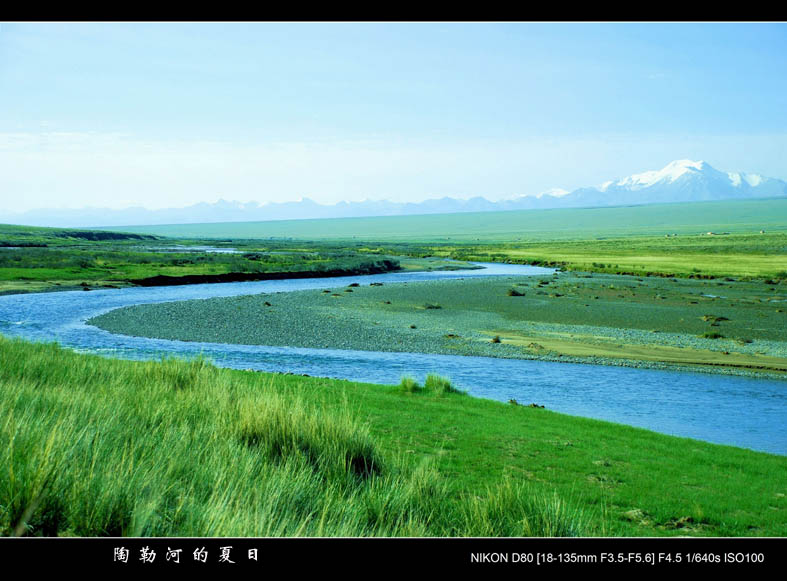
[(92, 447), (597, 318), (42, 259), (735, 216), (697, 256), (48, 259), (729, 238), (707, 239)]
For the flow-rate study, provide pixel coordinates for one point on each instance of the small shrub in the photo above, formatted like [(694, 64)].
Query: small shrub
[(496, 339), (512, 292), (708, 335), (431, 306)]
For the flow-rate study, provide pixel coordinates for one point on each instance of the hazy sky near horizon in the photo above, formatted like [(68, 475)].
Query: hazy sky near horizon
[(171, 114)]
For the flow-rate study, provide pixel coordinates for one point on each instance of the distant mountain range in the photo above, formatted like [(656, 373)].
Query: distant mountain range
[(679, 181)]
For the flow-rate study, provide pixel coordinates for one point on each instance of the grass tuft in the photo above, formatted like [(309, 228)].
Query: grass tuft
[(513, 510), (409, 385), (439, 385), (709, 335)]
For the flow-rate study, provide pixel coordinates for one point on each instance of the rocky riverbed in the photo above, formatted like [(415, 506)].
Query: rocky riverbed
[(731, 327)]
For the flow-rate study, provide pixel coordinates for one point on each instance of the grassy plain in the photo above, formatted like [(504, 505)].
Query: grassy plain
[(709, 239), (92, 446), (734, 216), (745, 238), (43, 259)]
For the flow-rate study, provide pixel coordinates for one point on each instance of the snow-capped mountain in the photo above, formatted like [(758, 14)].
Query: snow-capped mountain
[(679, 181)]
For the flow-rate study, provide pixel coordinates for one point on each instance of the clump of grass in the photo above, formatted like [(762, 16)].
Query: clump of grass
[(709, 335), (432, 306), (282, 428), (512, 292), (439, 385), (409, 385), (713, 319), (182, 374), (495, 339), (512, 510)]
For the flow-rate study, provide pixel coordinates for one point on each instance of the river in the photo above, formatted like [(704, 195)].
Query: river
[(738, 411)]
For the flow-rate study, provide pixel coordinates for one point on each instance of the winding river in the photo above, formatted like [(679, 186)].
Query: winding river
[(738, 411)]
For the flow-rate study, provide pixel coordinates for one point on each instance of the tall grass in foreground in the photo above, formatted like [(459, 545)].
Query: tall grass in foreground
[(93, 447), (537, 515)]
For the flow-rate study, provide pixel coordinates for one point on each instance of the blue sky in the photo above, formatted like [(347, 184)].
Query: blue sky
[(159, 115)]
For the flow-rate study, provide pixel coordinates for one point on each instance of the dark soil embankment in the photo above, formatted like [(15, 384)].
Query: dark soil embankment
[(96, 235), (378, 267)]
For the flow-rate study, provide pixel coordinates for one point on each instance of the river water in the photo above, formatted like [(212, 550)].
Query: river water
[(739, 411)]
